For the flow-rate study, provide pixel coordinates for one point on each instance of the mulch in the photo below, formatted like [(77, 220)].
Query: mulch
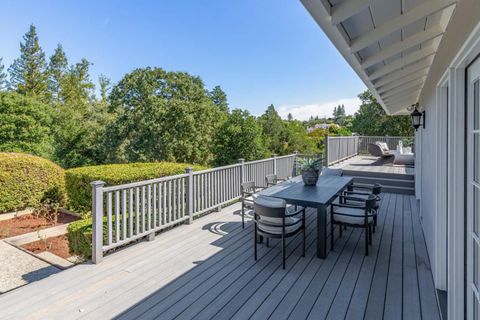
[(57, 245)]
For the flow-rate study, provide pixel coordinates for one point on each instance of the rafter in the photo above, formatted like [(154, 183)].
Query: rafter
[(402, 62), (400, 83), (406, 87), (413, 68), (401, 46), (348, 8), (399, 22), (401, 97), (405, 91)]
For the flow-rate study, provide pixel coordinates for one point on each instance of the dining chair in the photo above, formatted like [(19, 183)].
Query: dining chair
[(272, 179), (273, 219), (363, 191), (248, 191), (354, 215)]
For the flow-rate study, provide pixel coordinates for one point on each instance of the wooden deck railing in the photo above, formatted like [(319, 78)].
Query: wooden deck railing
[(125, 213)]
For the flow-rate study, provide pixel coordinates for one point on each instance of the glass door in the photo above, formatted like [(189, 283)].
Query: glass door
[(473, 191)]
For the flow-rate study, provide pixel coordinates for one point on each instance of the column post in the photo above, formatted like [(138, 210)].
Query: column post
[(189, 195), (97, 221)]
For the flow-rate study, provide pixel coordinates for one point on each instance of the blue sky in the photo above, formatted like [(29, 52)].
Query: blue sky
[(259, 51)]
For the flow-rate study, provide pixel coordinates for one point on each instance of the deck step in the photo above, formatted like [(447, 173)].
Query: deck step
[(383, 175), (385, 181)]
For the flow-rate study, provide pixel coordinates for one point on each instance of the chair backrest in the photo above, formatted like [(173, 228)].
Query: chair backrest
[(375, 150), (271, 179), (371, 202), (247, 186), (382, 145), (376, 189), (331, 172), (269, 207)]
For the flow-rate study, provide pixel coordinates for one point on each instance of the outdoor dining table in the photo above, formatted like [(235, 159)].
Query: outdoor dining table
[(320, 196)]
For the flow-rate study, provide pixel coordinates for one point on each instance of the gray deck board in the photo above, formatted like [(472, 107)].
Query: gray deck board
[(206, 271), (373, 164)]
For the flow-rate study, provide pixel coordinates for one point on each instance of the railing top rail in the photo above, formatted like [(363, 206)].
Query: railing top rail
[(216, 169), (386, 136), (143, 183), (259, 161), (286, 156), (342, 137)]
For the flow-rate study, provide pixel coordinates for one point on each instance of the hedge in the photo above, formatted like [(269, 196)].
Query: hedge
[(78, 180), (80, 238), (26, 180)]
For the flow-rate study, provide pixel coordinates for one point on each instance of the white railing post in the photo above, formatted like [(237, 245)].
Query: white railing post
[(274, 156), (326, 150), (295, 156), (242, 170), (97, 221), (189, 197)]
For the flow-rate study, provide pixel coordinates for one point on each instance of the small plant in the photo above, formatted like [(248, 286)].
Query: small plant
[(43, 238), (306, 164), (50, 203), (408, 142)]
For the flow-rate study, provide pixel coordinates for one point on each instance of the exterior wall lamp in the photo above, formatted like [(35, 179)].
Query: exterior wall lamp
[(418, 118)]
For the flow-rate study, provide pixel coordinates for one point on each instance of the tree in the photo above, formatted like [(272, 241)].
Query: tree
[(219, 98), (3, 76), (372, 120), (339, 115), (297, 139), (104, 83), (273, 130), (28, 72), (57, 68), (289, 117), (25, 125), (161, 116), (240, 136)]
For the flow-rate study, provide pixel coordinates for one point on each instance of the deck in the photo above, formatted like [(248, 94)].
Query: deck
[(368, 163), (206, 270)]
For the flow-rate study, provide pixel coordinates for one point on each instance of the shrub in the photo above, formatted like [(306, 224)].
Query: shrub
[(26, 181), (80, 238), (78, 180)]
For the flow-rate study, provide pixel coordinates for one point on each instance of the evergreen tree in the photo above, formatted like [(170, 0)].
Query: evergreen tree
[(57, 68), (104, 83), (28, 74), (339, 115), (290, 117), (219, 98), (273, 130), (3, 76)]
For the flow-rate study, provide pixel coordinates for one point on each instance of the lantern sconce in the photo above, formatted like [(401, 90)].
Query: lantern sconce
[(418, 118)]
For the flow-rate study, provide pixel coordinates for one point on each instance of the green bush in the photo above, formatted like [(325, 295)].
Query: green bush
[(26, 181), (78, 180), (80, 238)]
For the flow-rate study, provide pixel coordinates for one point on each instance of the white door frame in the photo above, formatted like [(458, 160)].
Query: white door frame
[(456, 175), (441, 192)]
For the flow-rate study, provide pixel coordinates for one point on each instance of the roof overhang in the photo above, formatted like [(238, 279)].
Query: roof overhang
[(390, 44)]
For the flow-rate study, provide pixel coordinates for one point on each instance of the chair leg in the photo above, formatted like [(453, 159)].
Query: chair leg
[(304, 233), (303, 243), (255, 242), (283, 251), (332, 231), (341, 230), (370, 234), (366, 241), (243, 216), (267, 242)]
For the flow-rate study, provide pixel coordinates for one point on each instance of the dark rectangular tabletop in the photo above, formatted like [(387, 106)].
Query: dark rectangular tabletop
[(295, 191)]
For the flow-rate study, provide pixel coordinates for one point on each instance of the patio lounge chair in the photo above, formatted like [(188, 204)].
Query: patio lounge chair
[(363, 192), (331, 172), (378, 151), (273, 219)]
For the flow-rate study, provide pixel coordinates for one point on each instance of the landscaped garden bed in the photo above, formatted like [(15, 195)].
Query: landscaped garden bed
[(31, 223), (56, 245)]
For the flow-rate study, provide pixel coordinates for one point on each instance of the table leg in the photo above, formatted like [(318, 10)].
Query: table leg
[(322, 231)]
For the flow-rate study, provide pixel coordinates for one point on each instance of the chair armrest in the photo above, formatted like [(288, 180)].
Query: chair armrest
[(345, 205), (302, 209), (356, 192), (344, 197)]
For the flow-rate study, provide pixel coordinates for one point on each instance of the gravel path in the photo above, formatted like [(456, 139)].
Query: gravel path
[(18, 268)]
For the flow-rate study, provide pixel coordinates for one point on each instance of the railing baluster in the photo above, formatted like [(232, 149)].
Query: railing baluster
[(130, 214), (137, 210), (109, 218), (117, 216), (124, 214)]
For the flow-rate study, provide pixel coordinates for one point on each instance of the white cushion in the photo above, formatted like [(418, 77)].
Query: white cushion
[(250, 199), (275, 224), (382, 145), (359, 217)]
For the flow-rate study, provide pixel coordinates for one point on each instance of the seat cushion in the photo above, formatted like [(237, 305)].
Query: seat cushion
[(250, 199), (274, 225), (357, 218)]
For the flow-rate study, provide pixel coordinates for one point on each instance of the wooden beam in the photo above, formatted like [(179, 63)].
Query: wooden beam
[(404, 82), (406, 90), (402, 62), (347, 8), (401, 46), (403, 88), (416, 68), (399, 22), (401, 97)]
